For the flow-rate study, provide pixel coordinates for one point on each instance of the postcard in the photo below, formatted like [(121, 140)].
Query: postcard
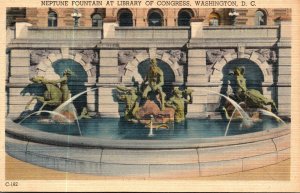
[(149, 95)]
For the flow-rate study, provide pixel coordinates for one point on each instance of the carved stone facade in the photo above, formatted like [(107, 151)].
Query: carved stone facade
[(195, 55), (128, 60)]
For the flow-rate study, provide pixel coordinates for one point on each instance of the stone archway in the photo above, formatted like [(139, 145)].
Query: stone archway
[(45, 66), (131, 68), (258, 59)]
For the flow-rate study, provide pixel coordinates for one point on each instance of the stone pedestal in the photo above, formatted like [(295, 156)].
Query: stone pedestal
[(284, 81), (197, 77), (108, 80), (22, 29), (197, 27), (109, 25), (19, 78), (284, 66)]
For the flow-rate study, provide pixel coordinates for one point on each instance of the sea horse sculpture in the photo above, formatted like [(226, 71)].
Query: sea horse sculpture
[(250, 100), (54, 95), (251, 97)]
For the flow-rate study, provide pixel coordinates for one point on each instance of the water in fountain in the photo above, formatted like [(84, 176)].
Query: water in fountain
[(44, 111), (58, 111), (247, 122), (77, 122), (269, 113), (151, 126), (227, 127), (69, 107), (64, 104)]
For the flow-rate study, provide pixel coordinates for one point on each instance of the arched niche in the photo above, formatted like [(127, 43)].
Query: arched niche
[(46, 68), (76, 81), (131, 68), (254, 57), (253, 73), (169, 76)]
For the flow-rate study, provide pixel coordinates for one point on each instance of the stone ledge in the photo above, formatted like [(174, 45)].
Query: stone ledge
[(70, 153), (236, 151), (147, 163), (282, 142), (259, 161), (181, 156), (221, 167), (174, 170)]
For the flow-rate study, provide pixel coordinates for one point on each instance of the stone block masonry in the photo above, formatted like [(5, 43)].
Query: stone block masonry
[(198, 71)]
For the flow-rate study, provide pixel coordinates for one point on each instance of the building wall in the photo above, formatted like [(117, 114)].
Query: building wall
[(110, 56), (38, 16)]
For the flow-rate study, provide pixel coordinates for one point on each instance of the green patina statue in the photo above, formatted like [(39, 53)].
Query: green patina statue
[(134, 111), (130, 97), (54, 95), (251, 97), (177, 102), (154, 82), (57, 93)]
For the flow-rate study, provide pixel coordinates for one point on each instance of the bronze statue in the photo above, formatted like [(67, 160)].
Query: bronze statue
[(130, 97), (154, 81), (84, 114), (54, 95), (177, 102), (252, 98)]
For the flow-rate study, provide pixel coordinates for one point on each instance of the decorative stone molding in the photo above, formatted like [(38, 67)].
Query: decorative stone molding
[(88, 56), (269, 55), (46, 60), (125, 56), (38, 55), (214, 55), (219, 58), (129, 61), (176, 55)]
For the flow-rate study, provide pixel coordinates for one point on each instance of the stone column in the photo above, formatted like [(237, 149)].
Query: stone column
[(284, 67), (108, 80), (197, 80), (18, 79)]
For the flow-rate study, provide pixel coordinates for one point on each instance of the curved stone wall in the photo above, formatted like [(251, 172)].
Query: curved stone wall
[(153, 158)]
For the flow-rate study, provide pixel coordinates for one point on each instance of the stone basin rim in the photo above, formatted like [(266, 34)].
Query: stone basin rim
[(27, 134)]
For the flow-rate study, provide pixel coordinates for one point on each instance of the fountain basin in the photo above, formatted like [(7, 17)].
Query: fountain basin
[(148, 158)]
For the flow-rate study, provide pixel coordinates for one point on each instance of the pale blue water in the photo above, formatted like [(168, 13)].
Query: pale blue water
[(109, 128)]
